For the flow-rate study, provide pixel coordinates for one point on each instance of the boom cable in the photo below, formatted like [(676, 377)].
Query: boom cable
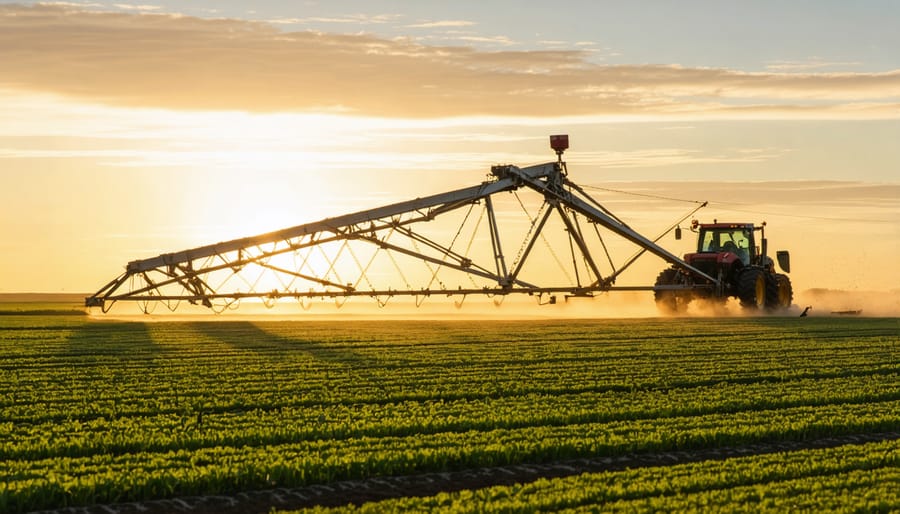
[(801, 216), (725, 206), (645, 195)]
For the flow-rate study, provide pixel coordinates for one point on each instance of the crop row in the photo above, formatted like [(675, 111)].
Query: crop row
[(850, 478), (183, 363), (283, 420), (136, 475)]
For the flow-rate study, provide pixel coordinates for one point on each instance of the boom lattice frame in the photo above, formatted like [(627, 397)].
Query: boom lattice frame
[(314, 260)]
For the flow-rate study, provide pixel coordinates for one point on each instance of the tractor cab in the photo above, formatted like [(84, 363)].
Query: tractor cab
[(735, 238)]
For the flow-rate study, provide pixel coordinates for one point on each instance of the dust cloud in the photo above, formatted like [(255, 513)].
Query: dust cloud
[(830, 302)]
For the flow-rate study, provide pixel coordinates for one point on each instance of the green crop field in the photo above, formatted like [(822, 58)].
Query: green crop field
[(743, 414)]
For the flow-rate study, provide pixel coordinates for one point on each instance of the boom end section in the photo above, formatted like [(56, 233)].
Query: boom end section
[(94, 301)]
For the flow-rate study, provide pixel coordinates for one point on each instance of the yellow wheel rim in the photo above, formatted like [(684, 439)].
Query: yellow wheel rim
[(760, 291)]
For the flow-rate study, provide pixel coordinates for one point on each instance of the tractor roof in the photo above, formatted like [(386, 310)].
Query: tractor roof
[(726, 225)]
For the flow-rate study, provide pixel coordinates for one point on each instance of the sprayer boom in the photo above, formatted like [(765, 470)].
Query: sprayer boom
[(376, 252)]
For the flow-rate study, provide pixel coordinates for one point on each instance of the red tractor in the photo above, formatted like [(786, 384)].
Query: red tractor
[(728, 252)]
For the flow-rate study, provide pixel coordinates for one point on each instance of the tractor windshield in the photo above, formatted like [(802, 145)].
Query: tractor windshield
[(734, 240)]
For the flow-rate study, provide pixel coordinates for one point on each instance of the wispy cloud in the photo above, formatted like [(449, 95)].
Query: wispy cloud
[(863, 200), (440, 24), (809, 65), (141, 7), (355, 19), (500, 40), (77, 5), (675, 156), (182, 62)]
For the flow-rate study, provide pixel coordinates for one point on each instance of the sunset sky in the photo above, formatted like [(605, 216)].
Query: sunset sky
[(128, 130)]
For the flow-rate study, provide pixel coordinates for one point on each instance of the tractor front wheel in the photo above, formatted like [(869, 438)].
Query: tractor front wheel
[(752, 288), (671, 301)]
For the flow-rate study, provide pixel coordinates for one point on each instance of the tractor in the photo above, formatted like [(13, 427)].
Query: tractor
[(743, 270)]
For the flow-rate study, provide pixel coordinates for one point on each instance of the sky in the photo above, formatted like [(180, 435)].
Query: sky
[(130, 130)]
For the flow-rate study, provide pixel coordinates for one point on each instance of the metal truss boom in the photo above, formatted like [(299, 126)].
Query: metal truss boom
[(314, 260)]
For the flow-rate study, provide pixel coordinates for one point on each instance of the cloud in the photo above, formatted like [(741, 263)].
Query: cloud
[(81, 5), (141, 7), (812, 64), (441, 24), (825, 193), (674, 156), (356, 19), (500, 40), (873, 205), (181, 62)]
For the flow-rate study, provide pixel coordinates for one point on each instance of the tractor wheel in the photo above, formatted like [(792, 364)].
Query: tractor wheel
[(779, 293), (671, 302), (752, 288)]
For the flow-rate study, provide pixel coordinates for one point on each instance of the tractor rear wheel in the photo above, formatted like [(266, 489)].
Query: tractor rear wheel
[(752, 288), (669, 301), (779, 292)]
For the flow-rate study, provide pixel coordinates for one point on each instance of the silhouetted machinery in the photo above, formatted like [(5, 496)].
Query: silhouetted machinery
[(454, 244)]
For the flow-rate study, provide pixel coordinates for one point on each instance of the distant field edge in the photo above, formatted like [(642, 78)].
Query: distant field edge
[(42, 311), (76, 298), (42, 304)]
